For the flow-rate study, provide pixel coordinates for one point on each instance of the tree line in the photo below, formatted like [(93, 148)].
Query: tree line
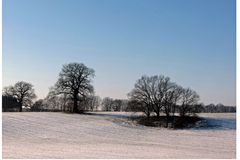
[(74, 92)]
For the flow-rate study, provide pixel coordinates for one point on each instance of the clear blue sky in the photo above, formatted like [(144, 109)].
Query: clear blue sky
[(191, 41)]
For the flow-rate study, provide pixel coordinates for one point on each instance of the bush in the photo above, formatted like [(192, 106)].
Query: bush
[(172, 122)]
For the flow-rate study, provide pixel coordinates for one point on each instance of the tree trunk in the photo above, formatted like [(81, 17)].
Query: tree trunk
[(182, 112), (158, 113), (64, 107), (167, 120), (75, 104), (173, 111), (20, 106), (148, 112)]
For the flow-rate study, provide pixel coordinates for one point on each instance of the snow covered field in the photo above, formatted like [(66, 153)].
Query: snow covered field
[(106, 135)]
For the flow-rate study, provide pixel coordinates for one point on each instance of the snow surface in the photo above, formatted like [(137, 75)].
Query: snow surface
[(111, 135)]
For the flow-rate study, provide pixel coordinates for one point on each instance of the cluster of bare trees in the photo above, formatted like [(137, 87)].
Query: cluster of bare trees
[(63, 103), (50, 103), (110, 104), (91, 103), (72, 89), (156, 94), (73, 92), (212, 108)]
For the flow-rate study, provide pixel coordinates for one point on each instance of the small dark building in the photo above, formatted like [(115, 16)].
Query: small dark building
[(10, 104)]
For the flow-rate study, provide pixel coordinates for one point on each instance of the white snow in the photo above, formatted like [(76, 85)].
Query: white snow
[(106, 135)]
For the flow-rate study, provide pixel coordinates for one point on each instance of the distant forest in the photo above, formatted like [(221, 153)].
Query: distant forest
[(95, 103)]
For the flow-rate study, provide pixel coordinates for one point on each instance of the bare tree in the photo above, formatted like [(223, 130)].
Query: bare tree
[(124, 106), (117, 105), (95, 102), (52, 103), (151, 91), (38, 105), (188, 99), (172, 96), (91, 102), (159, 88), (22, 91), (54, 98), (136, 106), (142, 96), (64, 100), (107, 104), (75, 81), (176, 98)]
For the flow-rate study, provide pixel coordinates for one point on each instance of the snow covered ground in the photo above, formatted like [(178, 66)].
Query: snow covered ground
[(107, 135)]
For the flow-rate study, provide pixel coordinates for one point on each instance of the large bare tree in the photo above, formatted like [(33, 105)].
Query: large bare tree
[(22, 91), (75, 81)]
